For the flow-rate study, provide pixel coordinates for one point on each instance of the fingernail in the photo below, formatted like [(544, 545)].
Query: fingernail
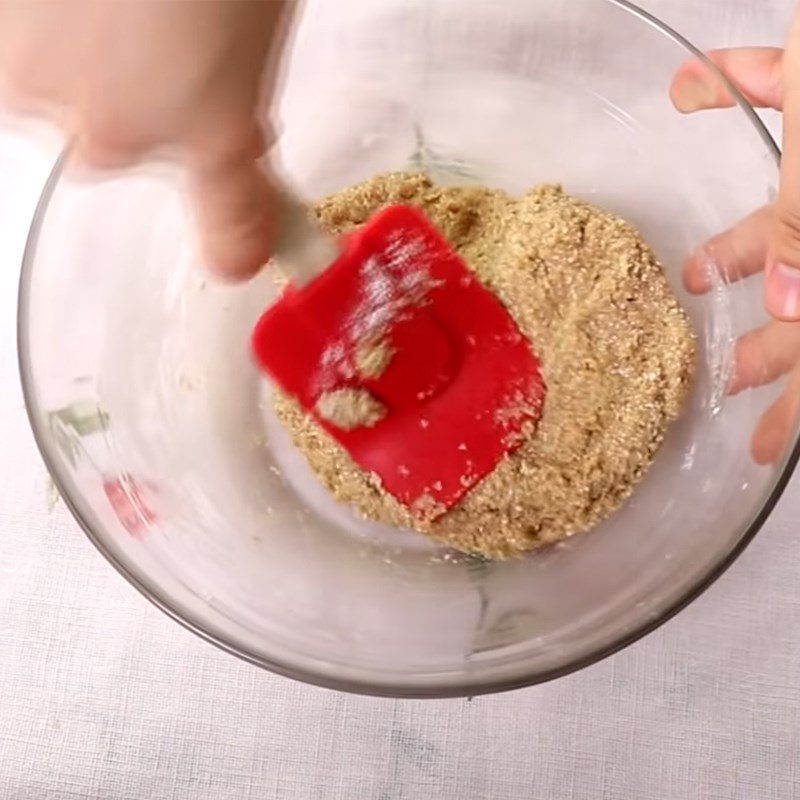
[(692, 93), (783, 292), (700, 271)]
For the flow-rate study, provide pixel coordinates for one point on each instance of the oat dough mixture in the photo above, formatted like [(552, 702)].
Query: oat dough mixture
[(617, 356)]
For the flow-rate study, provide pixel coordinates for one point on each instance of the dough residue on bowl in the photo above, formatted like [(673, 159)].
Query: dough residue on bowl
[(617, 356)]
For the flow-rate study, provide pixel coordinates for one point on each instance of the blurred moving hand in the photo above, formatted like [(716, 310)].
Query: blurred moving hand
[(769, 239), (126, 79)]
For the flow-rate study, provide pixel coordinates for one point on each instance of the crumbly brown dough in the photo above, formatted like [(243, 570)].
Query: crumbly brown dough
[(350, 408), (617, 356), (372, 358)]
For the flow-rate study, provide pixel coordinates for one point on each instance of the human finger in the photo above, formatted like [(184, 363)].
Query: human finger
[(735, 254), (236, 207), (755, 71), (764, 354), (777, 424)]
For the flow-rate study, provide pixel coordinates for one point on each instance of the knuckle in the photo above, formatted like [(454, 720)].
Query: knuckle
[(233, 140), (787, 221), (108, 141)]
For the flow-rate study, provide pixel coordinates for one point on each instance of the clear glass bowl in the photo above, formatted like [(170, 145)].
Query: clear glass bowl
[(158, 430)]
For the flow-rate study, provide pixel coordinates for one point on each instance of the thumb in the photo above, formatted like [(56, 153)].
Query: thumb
[(235, 203), (783, 262)]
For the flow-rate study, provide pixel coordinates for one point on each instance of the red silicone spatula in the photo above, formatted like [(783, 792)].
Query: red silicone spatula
[(456, 381)]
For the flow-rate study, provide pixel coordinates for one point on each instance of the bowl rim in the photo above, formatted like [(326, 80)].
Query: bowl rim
[(462, 688)]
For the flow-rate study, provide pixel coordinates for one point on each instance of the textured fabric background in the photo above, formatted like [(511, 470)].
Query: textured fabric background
[(103, 697)]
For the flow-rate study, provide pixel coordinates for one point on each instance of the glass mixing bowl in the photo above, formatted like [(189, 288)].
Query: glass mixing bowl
[(158, 429)]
